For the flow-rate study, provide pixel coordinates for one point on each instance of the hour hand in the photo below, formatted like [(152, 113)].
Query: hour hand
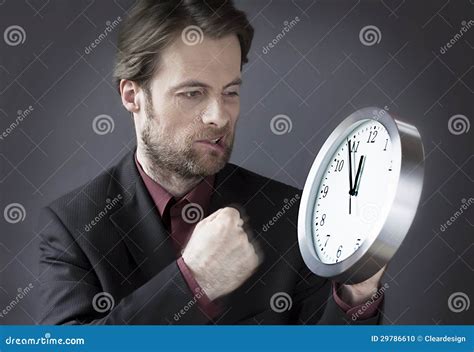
[(360, 168)]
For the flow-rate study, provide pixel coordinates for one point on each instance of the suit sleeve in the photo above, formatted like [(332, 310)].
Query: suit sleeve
[(315, 304), (68, 285)]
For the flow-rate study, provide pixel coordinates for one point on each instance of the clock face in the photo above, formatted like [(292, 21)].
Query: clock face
[(355, 192)]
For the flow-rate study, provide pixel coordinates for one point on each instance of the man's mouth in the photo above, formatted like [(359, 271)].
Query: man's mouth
[(216, 140), (215, 143)]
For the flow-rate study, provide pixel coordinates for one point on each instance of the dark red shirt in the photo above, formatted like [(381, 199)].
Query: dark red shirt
[(180, 216)]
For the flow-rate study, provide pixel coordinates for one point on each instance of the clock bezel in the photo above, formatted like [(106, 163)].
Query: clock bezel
[(375, 251)]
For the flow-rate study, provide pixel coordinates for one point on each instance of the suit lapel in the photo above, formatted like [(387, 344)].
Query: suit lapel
[(139, 223), (228, 191)]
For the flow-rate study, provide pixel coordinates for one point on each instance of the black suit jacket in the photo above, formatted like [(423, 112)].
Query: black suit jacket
[(107, 238)]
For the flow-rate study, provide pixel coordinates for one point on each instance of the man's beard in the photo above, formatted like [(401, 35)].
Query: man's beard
[(164, 154)]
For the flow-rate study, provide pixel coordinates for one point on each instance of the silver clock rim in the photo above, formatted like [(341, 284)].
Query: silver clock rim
[(375, 252)]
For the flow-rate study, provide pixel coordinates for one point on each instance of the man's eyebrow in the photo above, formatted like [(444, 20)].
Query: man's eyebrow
[(235, 82), (189, 84), (192, 83)]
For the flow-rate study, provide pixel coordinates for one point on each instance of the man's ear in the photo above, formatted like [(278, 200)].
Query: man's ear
[(129, 93)]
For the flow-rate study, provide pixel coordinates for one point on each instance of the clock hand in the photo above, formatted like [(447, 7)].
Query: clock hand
[(350, 173), (360, 168)]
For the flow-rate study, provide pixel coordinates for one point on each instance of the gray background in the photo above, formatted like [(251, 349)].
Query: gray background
[(317, 74)]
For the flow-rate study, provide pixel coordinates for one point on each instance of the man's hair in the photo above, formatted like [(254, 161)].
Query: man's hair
[(152, 25)]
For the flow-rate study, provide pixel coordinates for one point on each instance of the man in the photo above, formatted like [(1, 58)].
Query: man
[(173, 234)]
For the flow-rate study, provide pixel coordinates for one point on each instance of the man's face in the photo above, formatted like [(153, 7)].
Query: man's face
[(188, 125)]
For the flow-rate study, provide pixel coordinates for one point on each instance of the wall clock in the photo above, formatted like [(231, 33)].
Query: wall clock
[(360, 196)]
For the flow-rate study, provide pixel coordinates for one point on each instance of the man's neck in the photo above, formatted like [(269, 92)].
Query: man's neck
[(174, 184)]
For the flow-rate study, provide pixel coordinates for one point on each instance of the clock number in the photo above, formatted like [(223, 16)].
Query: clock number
[(323, 219), (327, 239), (339, 251), (386, 142), (325, 191), (339, 165), (372, 136), (354, 146)]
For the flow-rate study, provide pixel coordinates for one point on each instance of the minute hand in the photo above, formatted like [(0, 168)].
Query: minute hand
[(360, 168)]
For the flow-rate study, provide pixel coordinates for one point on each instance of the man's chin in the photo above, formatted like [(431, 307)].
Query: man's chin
[(210, 163), (211, 166)]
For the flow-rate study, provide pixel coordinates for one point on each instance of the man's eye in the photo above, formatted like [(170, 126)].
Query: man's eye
[(232, 94), (191, 94)]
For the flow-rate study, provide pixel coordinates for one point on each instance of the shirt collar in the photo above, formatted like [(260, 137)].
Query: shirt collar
[(201, 194)]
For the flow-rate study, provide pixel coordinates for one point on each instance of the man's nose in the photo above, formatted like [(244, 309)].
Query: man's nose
[(216, 114)]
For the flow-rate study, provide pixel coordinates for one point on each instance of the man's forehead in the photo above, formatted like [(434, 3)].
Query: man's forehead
[(213, 59)]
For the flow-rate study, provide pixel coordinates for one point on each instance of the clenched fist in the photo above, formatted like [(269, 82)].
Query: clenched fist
[(219, 253)]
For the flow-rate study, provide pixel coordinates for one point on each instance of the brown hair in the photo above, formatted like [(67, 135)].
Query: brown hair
[(153, 24)]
